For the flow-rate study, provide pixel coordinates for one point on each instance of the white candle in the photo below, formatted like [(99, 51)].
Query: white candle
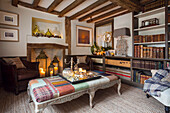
[(80, 69), (43, 73), (55, 70), (51, 73)]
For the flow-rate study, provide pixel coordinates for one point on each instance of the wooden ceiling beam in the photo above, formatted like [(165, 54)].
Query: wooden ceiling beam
[(87, 9), (37, 8), (128, 4), (103, 9), (70, 7), (106, 15), (35, 3), (15, 2), (54, 5), (106, 20), (143, 2)]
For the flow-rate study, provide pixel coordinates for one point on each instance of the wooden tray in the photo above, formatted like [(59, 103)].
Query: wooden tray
[(80, 81)]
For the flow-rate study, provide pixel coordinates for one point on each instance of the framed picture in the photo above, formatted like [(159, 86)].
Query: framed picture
[(10, 35), (10, 19), (84, 36)]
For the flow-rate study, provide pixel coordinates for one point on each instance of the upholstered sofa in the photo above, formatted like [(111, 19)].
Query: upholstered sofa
[(17, 79)]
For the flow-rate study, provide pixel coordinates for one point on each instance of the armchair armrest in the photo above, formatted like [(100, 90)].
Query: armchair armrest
[(31, 65)]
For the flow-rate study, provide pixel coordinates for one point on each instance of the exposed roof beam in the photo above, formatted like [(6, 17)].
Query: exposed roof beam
[(70, 7), (106, 15), (37, 8), (35, 3), (98, 23), (143, 2), (90, 7), (54, 5), (105, 8), (15, 2), (128, 4)]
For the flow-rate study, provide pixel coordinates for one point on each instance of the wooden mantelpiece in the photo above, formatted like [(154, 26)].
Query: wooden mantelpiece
[(46, 45), (32, 46)]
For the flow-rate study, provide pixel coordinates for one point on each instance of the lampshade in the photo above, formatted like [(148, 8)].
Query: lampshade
[(124, 32)]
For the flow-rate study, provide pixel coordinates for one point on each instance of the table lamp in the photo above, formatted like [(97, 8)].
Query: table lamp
[(121, 46)]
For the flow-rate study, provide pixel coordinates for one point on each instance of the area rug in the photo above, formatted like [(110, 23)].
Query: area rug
[(132, 100)]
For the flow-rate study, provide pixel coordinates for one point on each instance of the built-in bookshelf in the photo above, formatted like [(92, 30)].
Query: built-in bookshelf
[(150, 44)]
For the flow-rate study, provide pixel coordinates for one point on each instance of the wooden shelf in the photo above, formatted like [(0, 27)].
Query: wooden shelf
[(141, 68), (150, 28), (153, 59), (152, 12), (150, 43)]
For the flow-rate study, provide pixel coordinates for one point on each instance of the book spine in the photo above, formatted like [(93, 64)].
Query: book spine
[(134, 76), (141, 51)]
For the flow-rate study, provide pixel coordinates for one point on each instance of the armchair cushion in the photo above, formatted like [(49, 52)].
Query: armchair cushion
[(24, 74), (14, 61), (9, 61), (18, 63), (82, 59)]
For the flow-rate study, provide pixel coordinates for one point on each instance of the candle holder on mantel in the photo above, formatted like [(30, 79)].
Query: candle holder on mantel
[(42, 59), (56, 65), (72, 62)]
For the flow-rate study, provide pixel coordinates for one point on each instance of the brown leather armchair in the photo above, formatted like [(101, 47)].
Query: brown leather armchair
[(88, 65), (17, 79)]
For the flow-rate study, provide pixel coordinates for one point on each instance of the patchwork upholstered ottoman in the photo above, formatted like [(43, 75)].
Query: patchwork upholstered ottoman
[(56, 90)]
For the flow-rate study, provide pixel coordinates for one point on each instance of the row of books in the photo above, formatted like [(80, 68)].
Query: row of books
[(149, 38), (148, 52), (139, 77), (147, 64), (122, 73)]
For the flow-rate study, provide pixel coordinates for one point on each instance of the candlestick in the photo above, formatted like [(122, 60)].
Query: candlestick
[(78, 61)]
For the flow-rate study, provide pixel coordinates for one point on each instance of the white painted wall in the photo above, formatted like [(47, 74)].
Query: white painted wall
[(124, 21), (79, 50), (25, 28), (100, 31)]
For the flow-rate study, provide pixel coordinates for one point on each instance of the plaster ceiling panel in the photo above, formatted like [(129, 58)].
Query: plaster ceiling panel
[(45, 3), (106, 11), (80, 7), (111, 15), (63, 5), (27, 1), (99, 7)]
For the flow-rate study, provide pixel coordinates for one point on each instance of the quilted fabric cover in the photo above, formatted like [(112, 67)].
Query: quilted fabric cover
[(52, 87)]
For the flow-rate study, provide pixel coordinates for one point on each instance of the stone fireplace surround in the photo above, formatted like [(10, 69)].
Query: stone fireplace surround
[(51, 49)]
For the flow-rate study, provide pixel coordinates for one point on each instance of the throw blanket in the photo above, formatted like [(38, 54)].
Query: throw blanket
[(52, 87), (154, 86)]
